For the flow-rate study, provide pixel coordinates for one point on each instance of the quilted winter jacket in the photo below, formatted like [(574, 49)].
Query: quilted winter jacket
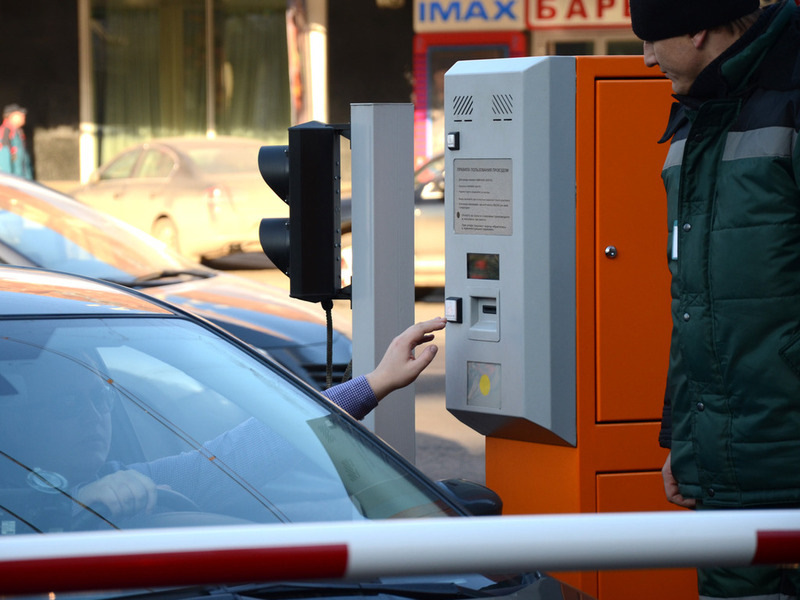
[(732, 175)]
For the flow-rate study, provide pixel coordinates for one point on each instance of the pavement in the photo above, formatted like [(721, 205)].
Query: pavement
[(445, 447)]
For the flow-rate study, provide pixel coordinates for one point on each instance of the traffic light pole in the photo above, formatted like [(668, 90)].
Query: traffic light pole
[(383, 253)]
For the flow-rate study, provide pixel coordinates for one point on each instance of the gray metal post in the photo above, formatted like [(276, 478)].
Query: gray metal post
[(383, 253)]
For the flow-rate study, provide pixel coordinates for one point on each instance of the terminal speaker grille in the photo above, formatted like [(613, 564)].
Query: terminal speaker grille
[(462, 108), (502, 107)]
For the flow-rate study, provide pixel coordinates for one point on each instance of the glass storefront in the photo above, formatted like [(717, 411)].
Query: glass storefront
[(189, 67)]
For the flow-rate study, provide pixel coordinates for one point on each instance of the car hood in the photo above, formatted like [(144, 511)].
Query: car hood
[(272, 321)]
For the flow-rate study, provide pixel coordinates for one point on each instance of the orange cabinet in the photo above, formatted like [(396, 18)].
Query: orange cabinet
[(623, 327)]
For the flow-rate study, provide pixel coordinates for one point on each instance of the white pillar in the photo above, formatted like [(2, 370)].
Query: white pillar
[(317, 58), (87, 136), (383, 253)]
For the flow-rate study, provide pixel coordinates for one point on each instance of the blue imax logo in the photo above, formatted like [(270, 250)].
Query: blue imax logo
[(455, 11)]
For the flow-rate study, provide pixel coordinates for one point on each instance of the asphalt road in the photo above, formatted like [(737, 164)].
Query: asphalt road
[(445, 447)]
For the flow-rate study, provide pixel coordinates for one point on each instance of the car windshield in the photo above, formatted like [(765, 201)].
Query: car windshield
[(224, 437), (54, 231)]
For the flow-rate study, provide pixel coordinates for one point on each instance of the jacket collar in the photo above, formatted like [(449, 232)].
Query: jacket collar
[(727, 75), (730, 74)]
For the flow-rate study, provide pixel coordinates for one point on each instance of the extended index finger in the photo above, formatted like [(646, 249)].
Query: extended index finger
[(435, 324)]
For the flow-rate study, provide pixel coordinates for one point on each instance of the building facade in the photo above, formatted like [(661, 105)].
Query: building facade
[(99, 75)]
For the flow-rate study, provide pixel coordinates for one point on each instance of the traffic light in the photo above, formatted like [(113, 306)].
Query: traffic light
[(306, 175)]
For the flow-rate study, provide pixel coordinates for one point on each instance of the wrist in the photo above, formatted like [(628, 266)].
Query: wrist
[(378, 385)]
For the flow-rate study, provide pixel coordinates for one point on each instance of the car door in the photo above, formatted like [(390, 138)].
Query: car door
[(151, 194), (109, 186)]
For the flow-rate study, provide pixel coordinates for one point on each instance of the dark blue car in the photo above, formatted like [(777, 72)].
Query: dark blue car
[(104, 388)]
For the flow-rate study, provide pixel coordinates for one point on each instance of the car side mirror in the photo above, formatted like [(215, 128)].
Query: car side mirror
[(477, 499)]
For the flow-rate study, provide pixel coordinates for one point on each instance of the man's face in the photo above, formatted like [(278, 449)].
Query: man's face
[(678, 58), (61, 424)]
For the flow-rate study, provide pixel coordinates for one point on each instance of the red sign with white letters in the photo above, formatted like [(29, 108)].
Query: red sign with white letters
[(572, 14)]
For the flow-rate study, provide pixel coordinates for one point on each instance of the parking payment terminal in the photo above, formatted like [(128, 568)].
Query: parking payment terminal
[(510, 247), (557, 287)]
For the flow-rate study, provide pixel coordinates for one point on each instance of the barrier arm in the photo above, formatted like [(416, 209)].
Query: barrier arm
[(233, 554)]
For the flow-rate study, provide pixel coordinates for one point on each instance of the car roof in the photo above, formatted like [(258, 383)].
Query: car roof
[(189, 143), (27, 291)]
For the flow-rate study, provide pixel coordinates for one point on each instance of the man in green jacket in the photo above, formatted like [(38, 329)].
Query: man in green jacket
[(732, 176)]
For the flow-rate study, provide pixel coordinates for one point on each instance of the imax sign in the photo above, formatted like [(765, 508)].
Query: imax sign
[(468, 15)]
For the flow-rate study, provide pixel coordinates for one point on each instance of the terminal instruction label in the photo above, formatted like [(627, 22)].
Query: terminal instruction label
[(482, 196)]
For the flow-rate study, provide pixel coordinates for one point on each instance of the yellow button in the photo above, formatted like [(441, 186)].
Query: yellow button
[(485, 385)]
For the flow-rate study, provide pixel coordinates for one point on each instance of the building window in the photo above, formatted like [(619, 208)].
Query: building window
[(573, 48), (162, 69), (252, 66), (624, 47), (584, 43)]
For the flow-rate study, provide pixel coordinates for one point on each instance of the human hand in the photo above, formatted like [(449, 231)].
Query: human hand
[(125, 493), (671, 486), (400, 364)]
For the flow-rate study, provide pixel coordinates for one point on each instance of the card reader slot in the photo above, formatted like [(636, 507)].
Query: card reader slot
[(484, 319)]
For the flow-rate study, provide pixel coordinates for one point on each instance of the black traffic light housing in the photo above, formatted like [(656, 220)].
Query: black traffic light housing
[(306, 175)]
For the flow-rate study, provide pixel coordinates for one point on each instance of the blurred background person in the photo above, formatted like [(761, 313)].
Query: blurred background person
[(14, 157)]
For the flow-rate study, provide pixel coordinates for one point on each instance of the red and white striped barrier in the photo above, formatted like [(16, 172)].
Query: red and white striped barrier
[(186, 556)]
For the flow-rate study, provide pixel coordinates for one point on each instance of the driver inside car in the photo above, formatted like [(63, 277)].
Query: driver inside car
[(70, 415)]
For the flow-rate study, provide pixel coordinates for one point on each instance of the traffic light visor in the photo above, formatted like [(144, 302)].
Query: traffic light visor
[(274, 237), (273, 163)]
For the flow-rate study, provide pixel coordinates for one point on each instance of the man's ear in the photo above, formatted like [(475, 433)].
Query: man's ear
[(699, 39)]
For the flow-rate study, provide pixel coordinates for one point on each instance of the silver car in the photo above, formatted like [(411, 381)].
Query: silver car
[(202, 197)]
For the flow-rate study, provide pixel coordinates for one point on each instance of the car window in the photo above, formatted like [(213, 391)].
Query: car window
[(122, 167), (227, 439), (55, 232), (156, 164), (39, 244)]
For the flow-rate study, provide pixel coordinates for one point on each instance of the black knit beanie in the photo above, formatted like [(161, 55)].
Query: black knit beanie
[(660, 19)]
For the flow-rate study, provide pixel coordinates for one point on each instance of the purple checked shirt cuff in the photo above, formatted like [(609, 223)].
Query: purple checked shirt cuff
[(354, 397)]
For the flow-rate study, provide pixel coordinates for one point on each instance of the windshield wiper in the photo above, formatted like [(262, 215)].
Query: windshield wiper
[(413, 590), (417, 591), (157, 277), (470, 587), (324, 589)]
